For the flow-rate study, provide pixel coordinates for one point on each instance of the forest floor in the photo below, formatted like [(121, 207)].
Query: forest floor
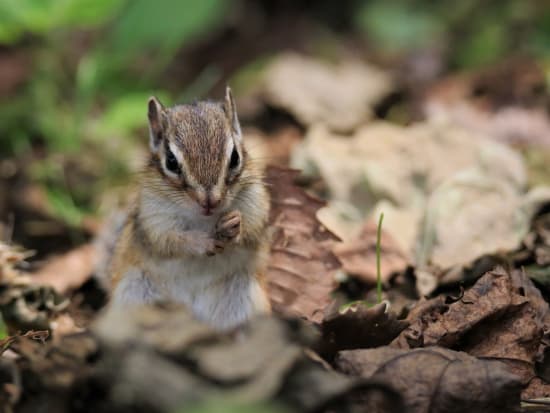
[(455, 319)]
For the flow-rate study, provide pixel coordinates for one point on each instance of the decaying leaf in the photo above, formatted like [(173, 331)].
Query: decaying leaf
[(538, 241), (340, 95), (187, 362), (437, 380), (25, 305), (472, 214), (276, 146), (11, 388), (50, 369), (534, 254), (503, 316), (68, 271), (5, 343), (301, 269), (448, 196), (28, 307), (358, 326), (358, 256), (504, 102), (536, 389), (10, 258)]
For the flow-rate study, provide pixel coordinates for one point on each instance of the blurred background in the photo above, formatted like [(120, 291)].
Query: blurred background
[(75, 76)]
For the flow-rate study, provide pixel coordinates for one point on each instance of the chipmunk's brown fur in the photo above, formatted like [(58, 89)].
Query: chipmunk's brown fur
[(196, 233)]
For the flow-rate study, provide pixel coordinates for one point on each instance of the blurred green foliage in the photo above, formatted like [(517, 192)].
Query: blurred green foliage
[(86, 101), (3, 330), (471, 32), (39, 17)]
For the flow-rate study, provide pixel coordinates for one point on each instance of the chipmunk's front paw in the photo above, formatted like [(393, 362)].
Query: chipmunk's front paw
[(228, 227), (201, 243), (215, 247)]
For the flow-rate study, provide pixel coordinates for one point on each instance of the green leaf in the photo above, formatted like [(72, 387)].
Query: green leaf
[(3, 329), (483, 46), (41, 16), (125, 114), (90, 13), (540, 40), (396, 26), (164, 25), (62, 205)]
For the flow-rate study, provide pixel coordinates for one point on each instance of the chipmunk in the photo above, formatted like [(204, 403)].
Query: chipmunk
[(196, 233)]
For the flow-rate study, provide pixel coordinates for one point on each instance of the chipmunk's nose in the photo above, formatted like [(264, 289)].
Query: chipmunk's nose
[(209, 203)]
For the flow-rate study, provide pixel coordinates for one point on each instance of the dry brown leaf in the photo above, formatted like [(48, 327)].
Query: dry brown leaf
[(537, 388), (538, 240), (52, 368), (186, 361), (358, 257), (26, 304), (358, 326), (301, 269), (275, 146), (340, 95), (503, 316), (68, 271), (30, 307), (40, 335), (449, 196), (10, 258), (505, 102), (437, 380)]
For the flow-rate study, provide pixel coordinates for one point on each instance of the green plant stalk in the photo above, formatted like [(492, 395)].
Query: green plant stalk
[(378, 253)]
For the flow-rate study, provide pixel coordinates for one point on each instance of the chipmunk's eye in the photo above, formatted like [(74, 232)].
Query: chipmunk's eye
[(234, 161), (171, 162)]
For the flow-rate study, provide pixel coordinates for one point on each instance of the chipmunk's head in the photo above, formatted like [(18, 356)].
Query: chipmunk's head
[(197, 152)]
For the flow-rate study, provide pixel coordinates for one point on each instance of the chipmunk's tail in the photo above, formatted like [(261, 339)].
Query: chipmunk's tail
[(105, 243)]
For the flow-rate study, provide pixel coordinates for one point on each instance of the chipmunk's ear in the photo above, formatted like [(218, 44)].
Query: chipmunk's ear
[(231, 112), (155, 110)]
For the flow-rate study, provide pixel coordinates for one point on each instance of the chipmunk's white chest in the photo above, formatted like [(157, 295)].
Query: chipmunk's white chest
[(186, 277), (220, 290)]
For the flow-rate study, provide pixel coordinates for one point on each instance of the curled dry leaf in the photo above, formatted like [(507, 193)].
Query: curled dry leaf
[(340, 95), (358, 326), (358, 256), (68, 271), (437, 380), (188, 362), (301, 270), (503, 316), (277, 145), (10, 257), (448, 196), (41, 336), (48, 369), (472, 214), (504, 102), (27, 305), (534, 256), (536, 389), (30, 307)]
